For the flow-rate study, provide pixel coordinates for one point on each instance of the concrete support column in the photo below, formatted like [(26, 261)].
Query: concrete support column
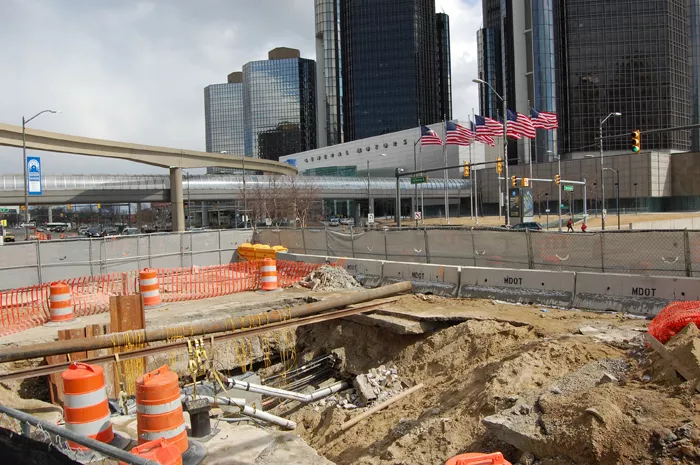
[(205, 215), (50, 214), (176, 200)]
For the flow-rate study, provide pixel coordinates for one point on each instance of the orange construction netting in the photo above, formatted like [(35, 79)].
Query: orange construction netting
[(28, 307), (673, 318)]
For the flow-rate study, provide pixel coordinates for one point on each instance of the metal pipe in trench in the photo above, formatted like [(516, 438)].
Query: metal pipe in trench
[(274, 392), (250, 411), (197, 328)]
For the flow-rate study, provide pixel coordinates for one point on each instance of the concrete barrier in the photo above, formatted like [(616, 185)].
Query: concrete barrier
[(555, 288), (439, 280), (640, 295), (366, 272), (295, 257)]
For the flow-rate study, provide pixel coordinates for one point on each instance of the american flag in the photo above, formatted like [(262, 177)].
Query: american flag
[(458, 134), (487, 126), (483, 138), (543, 119), (429, 137), (520, 126)]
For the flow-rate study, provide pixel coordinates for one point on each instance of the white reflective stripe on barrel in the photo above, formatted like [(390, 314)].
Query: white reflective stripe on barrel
[(149, 281), (62, 311), (268, 279), (268, 268), (167, 434), (59, 297), (150, 293), (85, 400), (90, 428), (158, 409)]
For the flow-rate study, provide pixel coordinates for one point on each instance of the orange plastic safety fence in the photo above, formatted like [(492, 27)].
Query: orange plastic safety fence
[(28, 307), (673, 318)]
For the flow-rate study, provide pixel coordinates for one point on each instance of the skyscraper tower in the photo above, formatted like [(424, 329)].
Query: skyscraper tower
[(329, 101)]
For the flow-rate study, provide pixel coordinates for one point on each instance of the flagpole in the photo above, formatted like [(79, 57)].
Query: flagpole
[(529, 142), (471, 195), (415, 186), (444, 156), (505, 160), (475, 203)]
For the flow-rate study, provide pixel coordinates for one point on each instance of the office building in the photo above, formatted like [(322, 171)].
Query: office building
[(266, 111), (223, 117), (585, 59), (383, 65)]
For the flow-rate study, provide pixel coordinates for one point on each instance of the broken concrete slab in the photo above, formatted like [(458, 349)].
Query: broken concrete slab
[(364, 389)]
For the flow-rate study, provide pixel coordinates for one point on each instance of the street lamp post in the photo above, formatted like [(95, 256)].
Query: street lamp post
[(636, 207), (505, 134), (546, 196), (397, 213), (602, 181), (26, 179), (595, 207)]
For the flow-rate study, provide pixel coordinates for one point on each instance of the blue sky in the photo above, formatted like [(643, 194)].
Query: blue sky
[(135, 70)]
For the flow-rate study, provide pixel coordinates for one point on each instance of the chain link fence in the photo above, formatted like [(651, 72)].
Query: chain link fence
[(27, 264), (661, 253)]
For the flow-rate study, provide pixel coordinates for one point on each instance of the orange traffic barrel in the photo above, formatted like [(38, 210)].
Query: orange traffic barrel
[(148, 285), (268, 275), (159, 451), (495, 458), (158, 408), (86, 411), (60, 303)]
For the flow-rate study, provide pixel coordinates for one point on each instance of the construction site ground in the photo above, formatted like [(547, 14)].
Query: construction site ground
[(542, 385)]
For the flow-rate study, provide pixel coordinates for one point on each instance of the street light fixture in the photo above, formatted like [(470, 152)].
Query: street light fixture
[(26, 180), (505, 133), (602, 181)]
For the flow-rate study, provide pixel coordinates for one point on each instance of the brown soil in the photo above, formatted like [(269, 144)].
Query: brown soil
[(514, 362)]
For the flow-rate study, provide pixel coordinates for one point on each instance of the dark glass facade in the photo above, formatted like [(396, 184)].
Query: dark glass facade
[(279, 101), (584, 59), (390, 57), (628, 57), (444, 64)]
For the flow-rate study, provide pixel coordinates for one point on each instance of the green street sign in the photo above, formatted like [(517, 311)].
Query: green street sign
[(419, 180), (4, 210), (568, 188)]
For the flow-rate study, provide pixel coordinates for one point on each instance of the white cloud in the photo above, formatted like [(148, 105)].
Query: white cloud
[(135, 70)]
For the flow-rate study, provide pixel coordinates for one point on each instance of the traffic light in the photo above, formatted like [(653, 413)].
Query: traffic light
[(636, 141), (69, 206), (466, 170), (557, 179), (499, 165), (99, 205), (526, 182), (513, 181)]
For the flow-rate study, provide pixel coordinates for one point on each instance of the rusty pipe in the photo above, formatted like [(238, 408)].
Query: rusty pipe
[(197, 328)]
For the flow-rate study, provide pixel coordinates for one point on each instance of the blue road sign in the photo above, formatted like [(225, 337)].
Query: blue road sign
[(33, 175)]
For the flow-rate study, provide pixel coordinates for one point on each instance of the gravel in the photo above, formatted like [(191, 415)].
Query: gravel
[(329, 278)]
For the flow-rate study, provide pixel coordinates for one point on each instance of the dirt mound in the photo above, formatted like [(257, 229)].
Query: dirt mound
[(555, 388), (329, 278)]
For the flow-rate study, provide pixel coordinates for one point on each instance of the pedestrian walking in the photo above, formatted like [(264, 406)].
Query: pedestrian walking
[(569, 226), (584, 227)]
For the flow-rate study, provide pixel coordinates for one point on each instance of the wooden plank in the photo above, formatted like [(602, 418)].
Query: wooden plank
[(126, 313), (682, 370)]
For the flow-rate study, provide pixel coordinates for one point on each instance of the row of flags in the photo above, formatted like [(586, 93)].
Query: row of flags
[(485, 129)]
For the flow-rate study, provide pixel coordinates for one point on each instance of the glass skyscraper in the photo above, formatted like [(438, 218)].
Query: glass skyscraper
[(395, 66), (329, 81), (270, 110), (223, 115), (585, 59)]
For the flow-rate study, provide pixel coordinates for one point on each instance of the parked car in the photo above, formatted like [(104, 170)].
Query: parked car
[(93, 232), (110, 232), (334, 222), (130, 231), (531, 225), (58, 229), (348, 221), (9, 238), (82, 230)]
